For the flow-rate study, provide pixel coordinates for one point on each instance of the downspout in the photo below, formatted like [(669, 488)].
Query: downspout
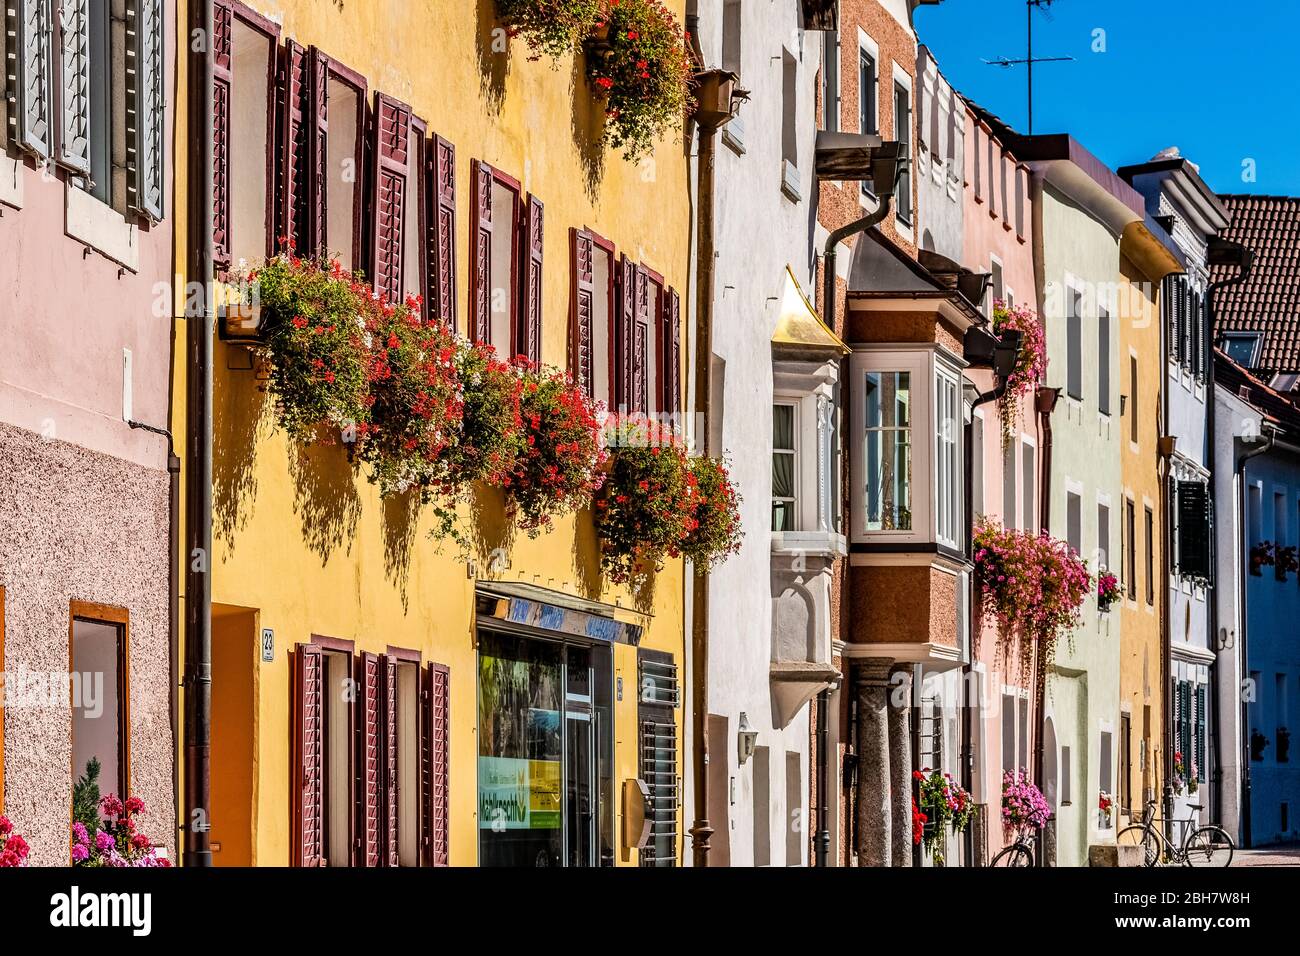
[(198, 447), (822, 841), (1211, 439), (1239, 476), (173, 605)]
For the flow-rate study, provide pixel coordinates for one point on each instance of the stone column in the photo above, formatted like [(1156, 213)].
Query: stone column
[(900, 762), (872, 687)]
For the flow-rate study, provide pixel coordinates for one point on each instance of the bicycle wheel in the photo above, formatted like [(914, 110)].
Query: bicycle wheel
[(1014, 855), (1208, 846), (1144, 837)]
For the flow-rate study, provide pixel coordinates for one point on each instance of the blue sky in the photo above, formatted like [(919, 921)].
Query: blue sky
[(1216, 79)]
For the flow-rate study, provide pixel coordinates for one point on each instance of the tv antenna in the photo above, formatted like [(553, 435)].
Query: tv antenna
[(1029, 59)]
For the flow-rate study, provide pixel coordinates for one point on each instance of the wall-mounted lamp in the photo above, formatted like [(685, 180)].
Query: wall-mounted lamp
[(746, 739)]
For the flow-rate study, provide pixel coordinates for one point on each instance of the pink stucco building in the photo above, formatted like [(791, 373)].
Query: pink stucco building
[(1007, 478), (86, 249)]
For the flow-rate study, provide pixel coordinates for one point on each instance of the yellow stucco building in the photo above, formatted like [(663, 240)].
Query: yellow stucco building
[(521, 691), (1145, 260)]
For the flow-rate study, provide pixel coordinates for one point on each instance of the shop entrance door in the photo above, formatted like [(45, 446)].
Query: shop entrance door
[(580, 735)]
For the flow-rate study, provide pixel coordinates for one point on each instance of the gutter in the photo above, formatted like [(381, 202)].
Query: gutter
[(199, 327)]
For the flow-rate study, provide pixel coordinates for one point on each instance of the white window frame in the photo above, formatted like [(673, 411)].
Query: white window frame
[(902, 78), (810, 389), (794, 500), (924, 364), (945, 376)]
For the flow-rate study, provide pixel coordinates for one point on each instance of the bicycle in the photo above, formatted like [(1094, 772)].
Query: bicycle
[(1020, 852), (1204, 846)]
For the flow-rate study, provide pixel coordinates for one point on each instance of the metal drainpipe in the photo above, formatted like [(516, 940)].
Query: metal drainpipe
[(822, 841), (173, 608), (1239, 476), (1211, 438), (198, 450), (702, 830), (972, 608)]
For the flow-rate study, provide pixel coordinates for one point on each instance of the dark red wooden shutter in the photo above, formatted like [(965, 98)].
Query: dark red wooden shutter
[(370, 760), (295, 145), (440, 218), (308, 755), (530, 310), (672, 361), (392, 145), (480, 295), (388, 665), (624, 334), (436, 770), (317, 231), (642, 342), (581, 364), (222, 27)]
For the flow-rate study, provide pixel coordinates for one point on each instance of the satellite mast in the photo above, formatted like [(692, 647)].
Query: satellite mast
[(1029, 59)]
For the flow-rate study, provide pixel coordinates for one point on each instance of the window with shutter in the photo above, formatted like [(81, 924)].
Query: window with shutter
[(295, 145), (308, 755), (672, 400), (392, 153), (31, 23), (436, 764), (1199, 749), (388, 668), (480, 291), (441, 219), (243, 154), (624, 335), (581, 331), (223, 26), (340, 158), (1180, 330), (530, 328), (370, 760), (415, 250), (643, 340), (73, 87), (1192, 501), (145, 100)]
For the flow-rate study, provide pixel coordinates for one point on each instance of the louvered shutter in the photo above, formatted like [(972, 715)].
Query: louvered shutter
[(1180, 316), (530, 325), (370, 761), (440, 222), (388, 667), (1200, 732), (480, 296), (672, 362), (292, 189), (624, 333), (222, 77), (1199, 347), (73, 86), (642, 342), (1193, 517), (436, 769), (145, 102), (32, 85), (584, 295), (317, 231), (309, 755), (392, 146)]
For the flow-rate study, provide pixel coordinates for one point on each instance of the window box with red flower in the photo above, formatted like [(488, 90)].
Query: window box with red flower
[(943, 804), (637, 59), (560, 460)]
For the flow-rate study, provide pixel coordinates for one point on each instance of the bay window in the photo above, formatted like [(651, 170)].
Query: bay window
[(907, 419)]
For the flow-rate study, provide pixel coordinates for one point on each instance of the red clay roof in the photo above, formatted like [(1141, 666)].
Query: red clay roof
[(1268, 301)]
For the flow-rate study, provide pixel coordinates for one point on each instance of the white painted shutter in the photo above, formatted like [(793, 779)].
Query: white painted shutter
[(144, 107), (74, 85), (32, 24)]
